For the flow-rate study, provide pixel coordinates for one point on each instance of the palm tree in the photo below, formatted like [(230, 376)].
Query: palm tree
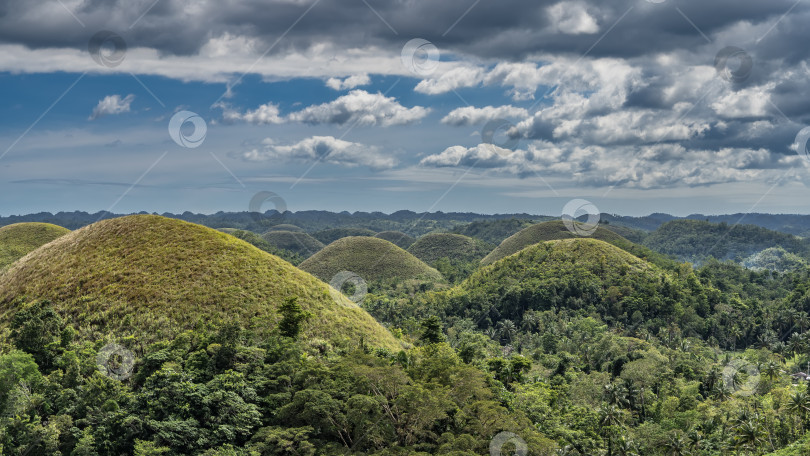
[(626, 447), (677, 445), (795, 343), (799, 404), (750, 434), (506, 329)]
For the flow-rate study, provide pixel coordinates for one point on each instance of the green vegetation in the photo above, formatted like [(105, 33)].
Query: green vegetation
[(492, 231), (333, 234), (433, 247), (153, 277), (371, 258), (695, 241), (286, 227), (300, 244), (19, 239), (774, 259), (398, 238)]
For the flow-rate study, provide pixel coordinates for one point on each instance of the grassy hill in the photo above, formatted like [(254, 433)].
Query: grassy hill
[(493, 231), (696, 240), (397, 238), (545, 231), (333, 234), (286, 227), (371, 258), (257, 241), (299, 243), (19, 239), (152, 277), (432, 247)]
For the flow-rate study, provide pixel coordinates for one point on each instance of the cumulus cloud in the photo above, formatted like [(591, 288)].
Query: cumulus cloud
[(350, 82), (263, 115), (470, 115), (327, 149), (361, 108), (572, 18), (112, 104)]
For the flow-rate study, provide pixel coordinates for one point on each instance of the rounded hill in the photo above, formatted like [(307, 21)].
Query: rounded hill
[(369, 257), (19, 239), (432, 247), (299, 243), (397, 238), (151, 277), (545, 231), (286, 227), (333, 234)]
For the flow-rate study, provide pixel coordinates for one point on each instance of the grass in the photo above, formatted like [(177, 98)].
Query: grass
[(397, 238), (299, 243), (369, 257), (432, 247), (540, 232), (333, 234), (19, 239), (286, 227), (152, 277)]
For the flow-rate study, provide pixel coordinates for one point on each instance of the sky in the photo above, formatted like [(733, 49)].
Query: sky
[(508, 106)]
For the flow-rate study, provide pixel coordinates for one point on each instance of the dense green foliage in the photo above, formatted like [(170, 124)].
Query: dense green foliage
[(695, 241), (21, 238), (259, 242), (301, 244), (371, 258), (775, 259)]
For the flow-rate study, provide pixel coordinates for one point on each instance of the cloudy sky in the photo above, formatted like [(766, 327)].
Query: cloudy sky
[(638, 106)]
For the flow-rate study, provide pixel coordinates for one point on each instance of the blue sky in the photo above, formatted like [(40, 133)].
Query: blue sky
[(629, 105)]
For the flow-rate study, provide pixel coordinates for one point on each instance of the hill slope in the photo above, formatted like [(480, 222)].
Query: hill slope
[(151, 277), (19, 239), (369, 257), (456, 247), (545, 231), (492, 231), (333, 234), (299, 243), (696, 240)]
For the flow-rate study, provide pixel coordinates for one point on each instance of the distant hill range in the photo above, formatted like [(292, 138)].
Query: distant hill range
[(416, 224)]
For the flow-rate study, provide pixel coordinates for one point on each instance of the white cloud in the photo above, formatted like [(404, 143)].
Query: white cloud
[(572, 18), (470, 115), (112, 104), (348, 83), (324, 148), (263, 115), (361, 108), (456, 78)]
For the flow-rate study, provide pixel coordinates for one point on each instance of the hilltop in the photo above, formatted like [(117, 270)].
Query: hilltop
[(545, 231), (398, 238), (331, 235), (456, 247), (19, 239), (369, 257), (152, 277)]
